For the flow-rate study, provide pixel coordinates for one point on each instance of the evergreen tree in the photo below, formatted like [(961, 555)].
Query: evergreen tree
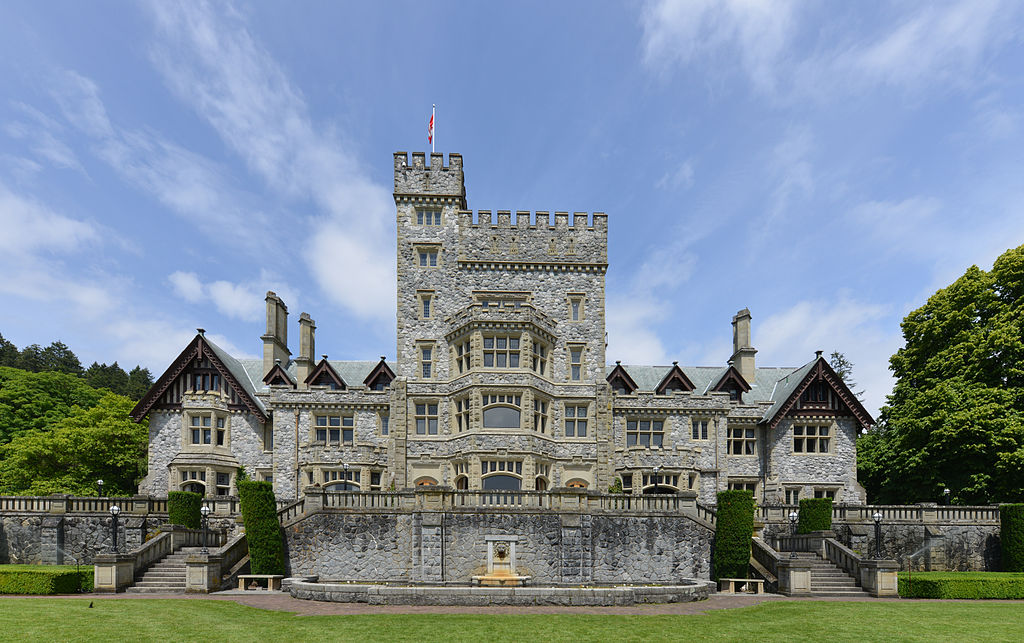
[(31, 358), (112, 378), (140, 380), (844, 369), (956, 414), (59, 358), (8, 353)]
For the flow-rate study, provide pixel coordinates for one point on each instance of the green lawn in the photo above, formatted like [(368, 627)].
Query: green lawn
[(71, 620)]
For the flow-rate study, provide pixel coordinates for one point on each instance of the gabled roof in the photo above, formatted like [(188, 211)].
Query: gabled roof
[(619, 373), (325, 368), (674, 376), (229, 368), (789, 389), (278, 373), (731, 375), (380, 370)]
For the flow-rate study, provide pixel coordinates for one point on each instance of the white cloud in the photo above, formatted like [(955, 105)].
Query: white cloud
[(29, 227), (679, 33), (868, 334), (681, 177), (212, 62), (241, 301), (911, 46), (631, 336), (41, 135)]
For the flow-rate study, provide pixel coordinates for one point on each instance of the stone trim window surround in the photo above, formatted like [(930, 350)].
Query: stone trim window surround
[(540, 414), (575, 418), (539, 359), (574, 359), (206, 429), (700, 429), (742, 441), (576, 306), (333, 429), (502, 350), (384, 422), (463, 352), (425, 304), (461, 412), (341, 479), (428, 255), (645, 433), (426, 360), (812, 439), (425, 417), (502, 410), (428, 216), (792, 495), (744, 484)]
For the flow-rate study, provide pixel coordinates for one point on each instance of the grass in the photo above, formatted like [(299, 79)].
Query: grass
[(72, 620)]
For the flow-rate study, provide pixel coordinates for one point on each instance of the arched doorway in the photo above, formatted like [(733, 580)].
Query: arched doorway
[(540, 484), (194, 487)]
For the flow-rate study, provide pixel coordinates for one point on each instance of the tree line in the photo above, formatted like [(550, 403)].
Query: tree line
[(58, 358)]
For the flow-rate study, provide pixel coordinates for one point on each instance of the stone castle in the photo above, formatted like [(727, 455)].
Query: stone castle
[(501, 382)]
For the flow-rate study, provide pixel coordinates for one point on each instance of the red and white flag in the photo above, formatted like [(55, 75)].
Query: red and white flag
[(430, 129)]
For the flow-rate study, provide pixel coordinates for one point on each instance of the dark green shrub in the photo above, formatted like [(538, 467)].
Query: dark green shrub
[(734, 528), (262, 529), (44, 579), (815, 515), (1000, 585), (1011, 536), (183, 509)]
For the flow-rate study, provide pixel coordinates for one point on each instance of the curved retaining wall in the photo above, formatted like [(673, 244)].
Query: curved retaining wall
[(481, 596)]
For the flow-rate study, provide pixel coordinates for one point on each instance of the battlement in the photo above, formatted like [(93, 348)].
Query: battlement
[(434, 179), (533, 237), (527, 220)]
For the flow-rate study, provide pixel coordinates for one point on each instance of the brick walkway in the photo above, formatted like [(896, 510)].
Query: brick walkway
[(285, 603)]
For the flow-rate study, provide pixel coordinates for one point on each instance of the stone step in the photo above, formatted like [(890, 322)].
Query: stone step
[(164, 584), (154, 590), (839, 593)]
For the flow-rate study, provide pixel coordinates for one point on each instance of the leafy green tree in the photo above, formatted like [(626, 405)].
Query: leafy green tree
[(955, 418), (69, 456), (33, 401), (31, 358)]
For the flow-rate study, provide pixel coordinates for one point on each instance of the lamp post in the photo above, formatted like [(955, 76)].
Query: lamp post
[(657, 478), (878, 534), (99, 487), (792, 532), (114, 511), (344, 466), (205, 510), (945, 494)]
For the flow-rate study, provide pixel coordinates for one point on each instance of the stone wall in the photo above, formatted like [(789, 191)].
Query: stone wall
[(451, 547)]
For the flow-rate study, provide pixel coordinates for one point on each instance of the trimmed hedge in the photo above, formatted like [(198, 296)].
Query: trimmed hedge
[(1000, 585), (734, 527), (183, 509), (1011, 536), (815, 515), (45, 579), (262, 529)]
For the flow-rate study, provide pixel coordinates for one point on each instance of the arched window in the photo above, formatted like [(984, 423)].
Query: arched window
[(502, 411), (503, 482), (462, 483), (540, 484), (342, 486), (194, 487), (426, 482), (576, 483)]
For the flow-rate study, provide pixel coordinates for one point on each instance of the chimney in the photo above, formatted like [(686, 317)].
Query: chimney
[(307, 348), (742, 351), (275, 340)]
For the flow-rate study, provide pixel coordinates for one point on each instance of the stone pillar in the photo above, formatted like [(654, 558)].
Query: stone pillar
[(430, 547), (113, 572), (399, 431), (202, 573), (575, 556), (134, 532), (314, 500), (878, 577), (795, 576), (51, 540)]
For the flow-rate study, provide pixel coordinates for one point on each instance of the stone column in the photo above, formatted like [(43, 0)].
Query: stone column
[(113, 572), (202, 573), (795, 576), (878, 577), (51, 540)]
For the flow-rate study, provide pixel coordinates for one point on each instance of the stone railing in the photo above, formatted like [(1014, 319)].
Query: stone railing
[(768, 560), (707, 513), (25, 504), (291, 511), (893, 514), (843, 557), (139, 505)]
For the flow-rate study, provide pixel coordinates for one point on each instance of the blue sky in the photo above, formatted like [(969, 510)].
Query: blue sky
[(827, 164)]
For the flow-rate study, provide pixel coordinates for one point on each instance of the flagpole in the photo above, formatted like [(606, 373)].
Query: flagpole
[(433, 139)]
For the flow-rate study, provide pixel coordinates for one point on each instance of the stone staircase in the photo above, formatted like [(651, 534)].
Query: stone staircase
[(828, 580), (166, 576)]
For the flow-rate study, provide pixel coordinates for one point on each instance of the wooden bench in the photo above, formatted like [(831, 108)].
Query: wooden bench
[(741, 585), (267, 582)]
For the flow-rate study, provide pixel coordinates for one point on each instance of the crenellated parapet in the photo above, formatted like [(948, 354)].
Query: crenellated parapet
[(540, 237), (417, 180)]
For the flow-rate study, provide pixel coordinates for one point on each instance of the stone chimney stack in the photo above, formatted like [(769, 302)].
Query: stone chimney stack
[(304, 363), (275, 340), (742, 351)]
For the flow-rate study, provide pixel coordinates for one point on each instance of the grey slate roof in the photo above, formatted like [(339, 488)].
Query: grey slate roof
[(784, 388), (353, 372), (763, 389)]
